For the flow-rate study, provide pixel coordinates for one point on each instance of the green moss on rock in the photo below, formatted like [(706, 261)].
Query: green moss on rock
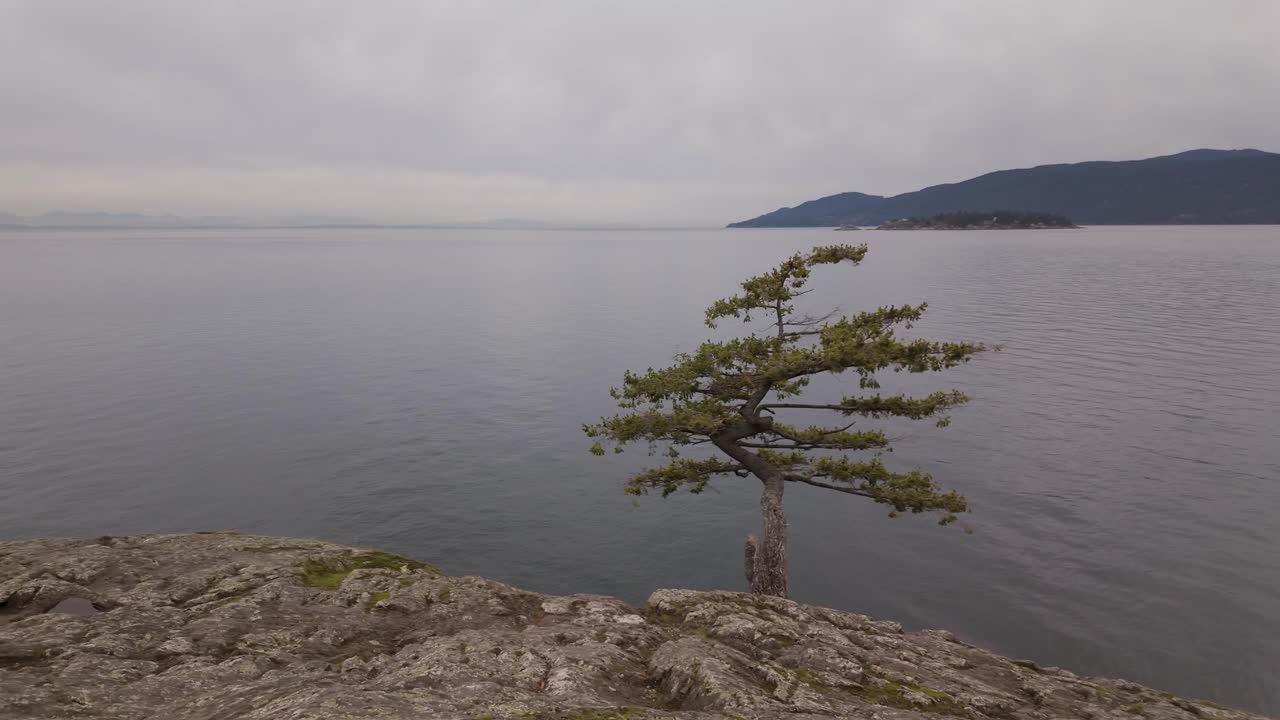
[(623, 713), (891, 694), (328, 573)]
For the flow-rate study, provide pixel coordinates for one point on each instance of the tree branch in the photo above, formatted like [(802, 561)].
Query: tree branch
[(748, 409), (782, 433), (788, 446), (691, 475), (914, 408), (818, 483), (729, 442), (804, 406)]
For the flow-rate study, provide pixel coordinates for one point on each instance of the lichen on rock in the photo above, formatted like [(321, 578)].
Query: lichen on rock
[(225, 625)]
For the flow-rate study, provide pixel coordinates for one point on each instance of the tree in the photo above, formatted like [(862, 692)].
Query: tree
[(733, 395)]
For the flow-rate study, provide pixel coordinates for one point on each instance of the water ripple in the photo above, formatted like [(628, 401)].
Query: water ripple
[(424, 391)]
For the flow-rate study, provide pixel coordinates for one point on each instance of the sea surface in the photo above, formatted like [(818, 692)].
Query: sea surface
[(424, 391)]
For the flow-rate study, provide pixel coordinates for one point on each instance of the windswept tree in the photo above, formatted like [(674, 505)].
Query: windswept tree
[(734, 395)]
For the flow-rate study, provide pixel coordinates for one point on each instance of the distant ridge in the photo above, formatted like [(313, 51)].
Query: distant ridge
[(832, 210), (1194, 187), (129, 220), (67, 220)]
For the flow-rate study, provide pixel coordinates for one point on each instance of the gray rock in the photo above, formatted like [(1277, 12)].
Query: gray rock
[(222, 625)]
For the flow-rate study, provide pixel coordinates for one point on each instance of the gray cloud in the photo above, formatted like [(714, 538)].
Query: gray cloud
[(579, 110)]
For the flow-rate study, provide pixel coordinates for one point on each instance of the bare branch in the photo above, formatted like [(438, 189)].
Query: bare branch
[(809, 320)]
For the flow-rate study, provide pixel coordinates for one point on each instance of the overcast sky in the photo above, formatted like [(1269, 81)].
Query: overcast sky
[(589, 111)]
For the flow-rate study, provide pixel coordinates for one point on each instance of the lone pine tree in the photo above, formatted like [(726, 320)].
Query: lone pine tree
[(733, 395)]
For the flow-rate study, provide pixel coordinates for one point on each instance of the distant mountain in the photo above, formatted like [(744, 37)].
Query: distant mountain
[(78, 219), (64, 219), (1194, 187), (823, 212)]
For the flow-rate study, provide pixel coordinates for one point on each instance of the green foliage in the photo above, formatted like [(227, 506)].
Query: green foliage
[(732, 394), (376, 598), (692, 475), (328, 573)]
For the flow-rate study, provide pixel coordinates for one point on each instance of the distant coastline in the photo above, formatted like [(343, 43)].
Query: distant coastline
[(988, 220), (1197, 187), (62, 220)]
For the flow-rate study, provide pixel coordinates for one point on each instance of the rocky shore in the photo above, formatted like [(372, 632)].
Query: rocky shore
[(223, 625)]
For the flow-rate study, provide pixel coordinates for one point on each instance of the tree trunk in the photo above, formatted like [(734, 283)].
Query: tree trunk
[(766, 560)]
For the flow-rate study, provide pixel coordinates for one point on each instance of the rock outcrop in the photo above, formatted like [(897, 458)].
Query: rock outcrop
[(222, 625)]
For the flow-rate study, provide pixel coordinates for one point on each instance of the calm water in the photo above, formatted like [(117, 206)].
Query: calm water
[(423, 391)]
